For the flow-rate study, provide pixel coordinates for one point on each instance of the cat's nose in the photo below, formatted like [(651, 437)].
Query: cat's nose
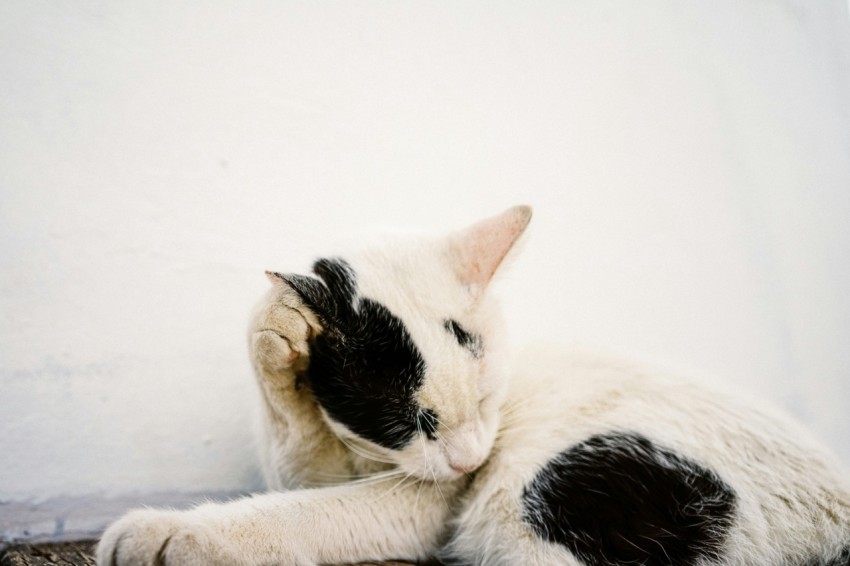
[(464, 467), (464, 450)]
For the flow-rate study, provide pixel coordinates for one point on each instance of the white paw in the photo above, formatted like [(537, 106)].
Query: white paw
[(279, 331), (149, 537)]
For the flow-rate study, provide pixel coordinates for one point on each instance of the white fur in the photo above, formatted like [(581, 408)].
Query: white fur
[(793, 500)]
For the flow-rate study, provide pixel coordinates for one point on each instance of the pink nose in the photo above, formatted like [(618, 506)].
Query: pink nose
[(463, 468)]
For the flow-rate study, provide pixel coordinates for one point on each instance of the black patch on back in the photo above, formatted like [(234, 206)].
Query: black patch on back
[(364, 368), (619, 499), (471, 342)]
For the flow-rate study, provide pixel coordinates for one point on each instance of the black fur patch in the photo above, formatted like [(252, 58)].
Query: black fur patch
[(427, 422), (471, 342), (364, 368), (619, 499)]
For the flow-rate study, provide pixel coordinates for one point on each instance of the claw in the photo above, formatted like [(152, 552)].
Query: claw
[(160, 556)]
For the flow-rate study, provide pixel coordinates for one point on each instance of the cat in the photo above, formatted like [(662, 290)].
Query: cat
[(397, 425)]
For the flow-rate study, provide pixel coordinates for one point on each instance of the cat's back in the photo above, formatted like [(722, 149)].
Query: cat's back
[(572, 394), (703, 475)]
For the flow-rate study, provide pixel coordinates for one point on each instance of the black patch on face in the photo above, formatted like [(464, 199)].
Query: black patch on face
[(364, 368), (619, 499), (427, 422), (471, 342)]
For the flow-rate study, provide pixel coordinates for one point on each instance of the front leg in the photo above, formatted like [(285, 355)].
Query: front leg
[(297, 447), (394, 518)]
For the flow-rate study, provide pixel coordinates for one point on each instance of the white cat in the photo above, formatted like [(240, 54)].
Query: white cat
[(396, 427)]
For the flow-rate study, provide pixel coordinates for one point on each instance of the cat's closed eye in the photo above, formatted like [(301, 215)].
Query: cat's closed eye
[(466, 339)]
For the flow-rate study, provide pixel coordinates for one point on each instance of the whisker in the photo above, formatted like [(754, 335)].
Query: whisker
[(436, 483), (378, 477), (439, 490), (354, 478), (425, 457), (445, 426), (511, 408), (364, 452), (394, 487)]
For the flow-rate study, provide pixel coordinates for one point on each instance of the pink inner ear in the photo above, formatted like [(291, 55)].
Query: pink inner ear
[(480, 248)]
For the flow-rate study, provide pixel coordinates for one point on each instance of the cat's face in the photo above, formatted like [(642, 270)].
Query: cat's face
[(408, 365)]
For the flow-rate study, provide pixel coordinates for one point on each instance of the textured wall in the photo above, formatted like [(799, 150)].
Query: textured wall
[(688, 163)]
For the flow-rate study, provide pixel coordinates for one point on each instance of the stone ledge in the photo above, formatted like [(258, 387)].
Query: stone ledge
[(81, 553)]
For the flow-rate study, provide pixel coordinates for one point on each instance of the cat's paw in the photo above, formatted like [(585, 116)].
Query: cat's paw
[(150, 537), (273, 352), (280, 330)]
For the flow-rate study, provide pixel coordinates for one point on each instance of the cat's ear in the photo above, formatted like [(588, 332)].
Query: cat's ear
[(330, 295), (477, 251)]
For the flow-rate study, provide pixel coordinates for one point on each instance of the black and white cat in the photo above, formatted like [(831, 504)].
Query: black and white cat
[(397, 427)]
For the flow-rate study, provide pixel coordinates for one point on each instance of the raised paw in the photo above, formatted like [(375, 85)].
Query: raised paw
[(280, 329), (149, 537)]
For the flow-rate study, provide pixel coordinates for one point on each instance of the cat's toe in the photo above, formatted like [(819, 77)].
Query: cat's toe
[(194, 546), (143, 537), (273, 352), (280, 331), (134, 539)]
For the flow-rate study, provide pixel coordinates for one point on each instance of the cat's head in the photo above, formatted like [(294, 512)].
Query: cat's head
[(409, 363)]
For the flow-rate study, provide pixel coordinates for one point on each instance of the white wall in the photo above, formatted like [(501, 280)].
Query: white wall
[(689, 163)]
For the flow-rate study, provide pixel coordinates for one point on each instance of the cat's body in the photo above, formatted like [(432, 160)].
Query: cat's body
[(397, 427)]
